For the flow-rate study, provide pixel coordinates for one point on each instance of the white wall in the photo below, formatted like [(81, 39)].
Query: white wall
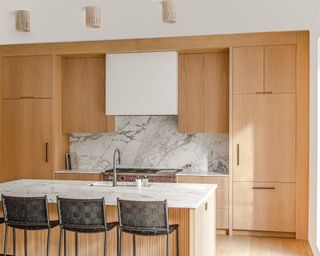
[(314, 205), (63, 20)]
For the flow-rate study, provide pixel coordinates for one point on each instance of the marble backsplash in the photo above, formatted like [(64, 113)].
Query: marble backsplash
[(151, 141)]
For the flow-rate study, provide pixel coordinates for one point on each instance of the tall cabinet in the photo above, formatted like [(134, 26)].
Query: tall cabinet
[(28, 114), (264, 138)]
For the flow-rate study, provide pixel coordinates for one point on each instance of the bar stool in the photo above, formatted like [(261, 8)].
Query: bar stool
[(83, 216), (145, 218), (26, 213)]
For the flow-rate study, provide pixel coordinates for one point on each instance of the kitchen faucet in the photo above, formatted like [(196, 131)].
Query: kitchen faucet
[(115, 153)]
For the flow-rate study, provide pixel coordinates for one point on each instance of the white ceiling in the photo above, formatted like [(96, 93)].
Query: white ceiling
[(63, 20)]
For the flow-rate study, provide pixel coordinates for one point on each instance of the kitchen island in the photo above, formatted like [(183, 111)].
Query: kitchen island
[(192, 206)]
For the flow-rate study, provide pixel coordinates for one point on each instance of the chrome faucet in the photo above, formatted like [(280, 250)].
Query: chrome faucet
[(115, 153)]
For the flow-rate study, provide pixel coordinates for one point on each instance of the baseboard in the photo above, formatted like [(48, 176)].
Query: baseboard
[(263, 233)]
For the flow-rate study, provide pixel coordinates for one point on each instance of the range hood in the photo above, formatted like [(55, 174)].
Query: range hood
[(142, 83)]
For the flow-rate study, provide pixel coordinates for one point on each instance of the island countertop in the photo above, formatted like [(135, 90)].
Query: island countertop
[(178, 195)]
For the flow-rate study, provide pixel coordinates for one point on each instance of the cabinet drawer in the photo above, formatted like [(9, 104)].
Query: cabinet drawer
[(264, 206), (222, 219), (78, 176), (221, 181)]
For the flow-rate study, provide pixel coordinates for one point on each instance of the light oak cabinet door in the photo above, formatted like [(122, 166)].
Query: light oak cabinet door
[(27, 139), (204, 92), (280, 69), (15, 77), (248, 70), (190, 118), (216, 92), (264, 206), (264, 137), (40, 69), (27, 77), (83, 94)]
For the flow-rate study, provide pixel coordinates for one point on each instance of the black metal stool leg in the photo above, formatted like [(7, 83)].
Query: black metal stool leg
[(134, 245), (120, 243), (118, 233), (48, 242), (65, 243), (60, 241), (76, 243), (5, 241), (168, 245), (14, 240), (177, 242), (105, 243), (25, 243)]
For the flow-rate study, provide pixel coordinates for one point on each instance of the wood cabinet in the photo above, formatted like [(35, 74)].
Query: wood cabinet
[(264, 206), (264, 69), (78, 176), (27, 139), (222, 195), (190, 118), (280, 69), (203, 92), (248, 75), (27, 76), (264, 137), (83, 90)]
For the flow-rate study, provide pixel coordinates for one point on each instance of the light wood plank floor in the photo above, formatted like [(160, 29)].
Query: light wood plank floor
[(261, 246)]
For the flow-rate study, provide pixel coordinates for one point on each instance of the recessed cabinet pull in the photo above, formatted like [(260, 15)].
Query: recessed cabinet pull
[(47, 152), (26, 97), (263, 92), (238, 154), (263, 188)]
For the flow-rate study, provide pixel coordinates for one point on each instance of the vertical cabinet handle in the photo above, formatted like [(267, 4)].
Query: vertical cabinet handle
[(47, 160), (238, 154)]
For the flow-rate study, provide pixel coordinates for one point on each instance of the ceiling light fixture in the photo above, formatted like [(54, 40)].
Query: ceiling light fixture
[(93, 17), (169, 11), (23, 21)]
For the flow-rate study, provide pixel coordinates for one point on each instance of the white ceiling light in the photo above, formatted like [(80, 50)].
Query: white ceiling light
[(93, 16), (169, 11), (23, 21)]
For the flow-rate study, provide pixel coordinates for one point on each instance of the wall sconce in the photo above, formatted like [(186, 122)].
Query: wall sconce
[(23, 21), (93, 17), (169, 11)]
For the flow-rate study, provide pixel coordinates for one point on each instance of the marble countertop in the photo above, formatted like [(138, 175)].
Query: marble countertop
[(178, 195), (183, 173)]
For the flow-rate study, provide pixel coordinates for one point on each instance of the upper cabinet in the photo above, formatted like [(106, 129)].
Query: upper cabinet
[(280, 69), (264, 69), (191, 76), (248, 70), (27, 76), (142, 83), (83, 93), (203, 92)]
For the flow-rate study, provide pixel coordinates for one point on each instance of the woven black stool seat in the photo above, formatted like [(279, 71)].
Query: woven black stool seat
[(90, 229), (34, 226), (26, 213), (151, 232), (83, 216), (145, 218)]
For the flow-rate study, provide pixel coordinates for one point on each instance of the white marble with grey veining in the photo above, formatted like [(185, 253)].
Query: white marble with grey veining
[(178, 195), (152, 141)]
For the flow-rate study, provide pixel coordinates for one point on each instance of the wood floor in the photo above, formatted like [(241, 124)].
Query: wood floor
[(261, 246)]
